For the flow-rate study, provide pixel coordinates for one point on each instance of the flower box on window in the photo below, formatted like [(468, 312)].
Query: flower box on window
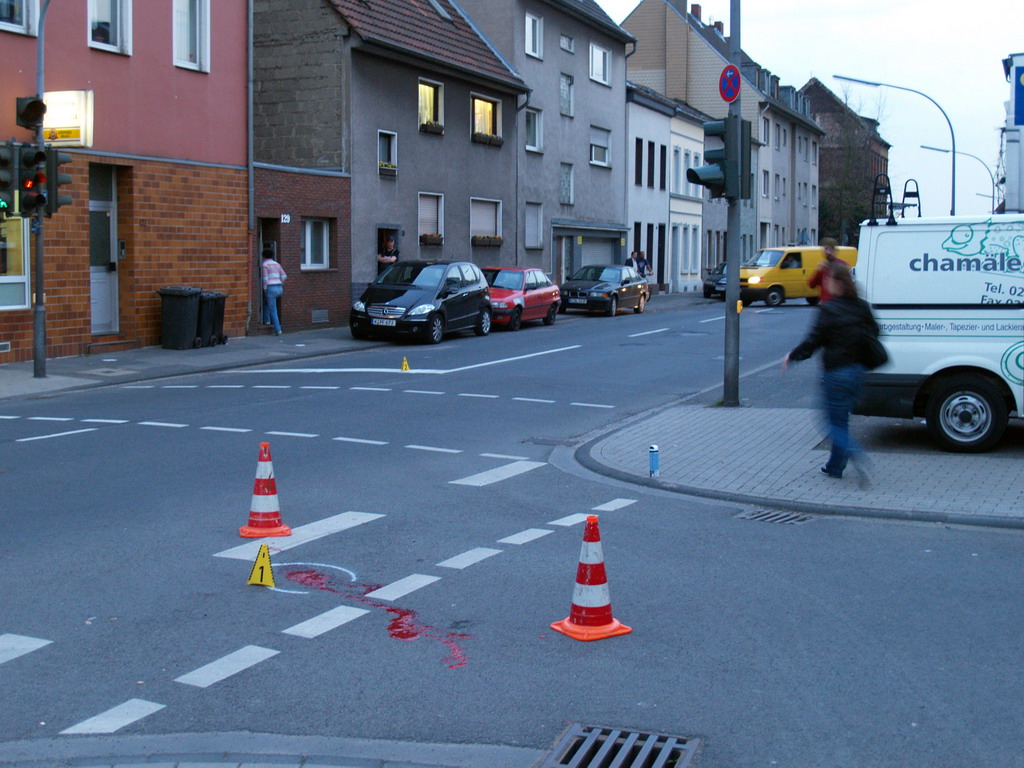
[(387, 169), (486, 241), (432, 127), (434, 239), (487, 138)]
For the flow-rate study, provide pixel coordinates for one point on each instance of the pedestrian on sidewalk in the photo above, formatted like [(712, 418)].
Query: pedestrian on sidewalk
[(273, 286), (841, 330), (817, 279)]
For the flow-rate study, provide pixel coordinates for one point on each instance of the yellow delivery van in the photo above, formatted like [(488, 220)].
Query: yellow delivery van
[(776, 274)]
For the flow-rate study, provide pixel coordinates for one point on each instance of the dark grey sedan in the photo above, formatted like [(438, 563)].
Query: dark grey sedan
[(606, 288)]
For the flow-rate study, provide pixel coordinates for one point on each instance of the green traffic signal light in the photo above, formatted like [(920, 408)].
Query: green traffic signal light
[(8, 178)]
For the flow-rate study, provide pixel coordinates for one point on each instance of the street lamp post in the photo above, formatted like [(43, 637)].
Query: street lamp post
[(952, 137), (984, 164)]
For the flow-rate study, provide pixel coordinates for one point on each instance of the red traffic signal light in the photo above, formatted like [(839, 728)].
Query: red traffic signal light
[(32, 180)]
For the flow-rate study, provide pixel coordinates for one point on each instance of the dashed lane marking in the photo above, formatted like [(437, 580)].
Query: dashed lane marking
[(468, 558), (291, 434), (525, 536), (434, 449), (226, 429), (50, 418), (13, 646), (325, 622), (56, 434), (162, 424), (474, 394), (402, 587), (591, 405), (646, 333), (570, 520), (360, 440), (11, 418), (614, 504), (180, 386), (300, 535), (532, 400), (116, 718), (712, 319), (371, 389), (323, 387), (105, 421), (498, 473), (226, 666), (422, 392), (271, 386), (226, 386), (504, 456)]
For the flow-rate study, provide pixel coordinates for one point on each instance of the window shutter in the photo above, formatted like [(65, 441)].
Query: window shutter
[(483, 217), (428, 218)]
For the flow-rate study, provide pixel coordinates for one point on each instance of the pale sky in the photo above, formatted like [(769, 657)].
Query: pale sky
[(952, 51)]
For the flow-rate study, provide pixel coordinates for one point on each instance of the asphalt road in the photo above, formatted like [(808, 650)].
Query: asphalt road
[(836, 642)]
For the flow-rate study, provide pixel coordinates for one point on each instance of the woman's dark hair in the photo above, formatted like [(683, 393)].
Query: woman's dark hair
[(841, 274)]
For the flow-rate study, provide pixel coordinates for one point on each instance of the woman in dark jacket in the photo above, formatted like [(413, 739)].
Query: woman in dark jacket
[(841, 329)]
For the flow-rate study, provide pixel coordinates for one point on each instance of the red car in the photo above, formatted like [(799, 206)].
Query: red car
[(519, 294)]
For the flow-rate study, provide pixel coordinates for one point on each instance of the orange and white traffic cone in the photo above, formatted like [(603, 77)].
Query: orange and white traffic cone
[(265, 511), (590, 617)]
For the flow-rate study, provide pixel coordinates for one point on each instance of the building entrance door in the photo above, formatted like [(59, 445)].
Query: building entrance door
[(102, 250)]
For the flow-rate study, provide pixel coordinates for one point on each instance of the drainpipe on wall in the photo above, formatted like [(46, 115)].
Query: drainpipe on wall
[(519, 109), (251, 170)]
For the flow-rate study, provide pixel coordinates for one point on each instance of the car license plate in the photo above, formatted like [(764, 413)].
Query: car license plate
[(381, 321), (577, 301)]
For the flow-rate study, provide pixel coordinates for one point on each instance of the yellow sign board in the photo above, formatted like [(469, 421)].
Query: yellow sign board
[(262, 574)]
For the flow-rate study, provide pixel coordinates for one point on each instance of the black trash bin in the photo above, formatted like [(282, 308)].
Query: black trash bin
[(211, 318), (179, 316)]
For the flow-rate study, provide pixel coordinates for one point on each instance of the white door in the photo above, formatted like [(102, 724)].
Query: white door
[(102, 253)]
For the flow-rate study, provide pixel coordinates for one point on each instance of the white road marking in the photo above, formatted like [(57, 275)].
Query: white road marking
[(614, 504), (570, 520), (435, 450), (161, 424), (56, 434), (532, 400), (592, 405), (759, 311), (504, 456), (49, 418), (226, 666), (360, 440), (525, 536), (713, 319), (137, 386), (647, 333), (468, 558), (461, 394), (335, 370), (13, 646), (325, 387), (10, 417), (226, 386), (180, 386), (422, 392), (371, 389), (402, 587), (512, 359), (271, 386), (116, 718), (325, 622), (291, 434), (105, 421), (226, 429), (300, 535), (498, 473)]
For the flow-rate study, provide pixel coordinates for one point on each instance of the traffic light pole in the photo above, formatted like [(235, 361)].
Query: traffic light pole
[(734, 246), (39, 305)]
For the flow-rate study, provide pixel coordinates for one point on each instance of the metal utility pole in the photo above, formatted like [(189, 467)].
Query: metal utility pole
[(733, 250), (39, 305)]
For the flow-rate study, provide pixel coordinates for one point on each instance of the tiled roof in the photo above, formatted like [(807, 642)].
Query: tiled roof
[(434, 30), (592, 12)]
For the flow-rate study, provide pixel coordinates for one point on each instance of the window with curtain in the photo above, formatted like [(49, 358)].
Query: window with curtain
[(315, 243), (534, 36), (192, 34), (109, 24), (17, 15), (485, 116), (600, 64), (430, 102)]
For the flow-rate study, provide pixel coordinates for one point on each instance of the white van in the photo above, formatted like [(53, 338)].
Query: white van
[(948, 294)]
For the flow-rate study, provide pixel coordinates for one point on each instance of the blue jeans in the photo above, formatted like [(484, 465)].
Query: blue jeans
[(271, 293), (840, 388)]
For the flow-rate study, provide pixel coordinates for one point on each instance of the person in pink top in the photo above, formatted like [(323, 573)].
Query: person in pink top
[(818, 278), (273, 286)]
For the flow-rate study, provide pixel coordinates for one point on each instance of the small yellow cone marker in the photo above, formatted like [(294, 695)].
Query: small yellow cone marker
[(262, 574), (405, 364)]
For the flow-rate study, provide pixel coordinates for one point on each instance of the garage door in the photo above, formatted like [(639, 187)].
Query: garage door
[(598, 251)]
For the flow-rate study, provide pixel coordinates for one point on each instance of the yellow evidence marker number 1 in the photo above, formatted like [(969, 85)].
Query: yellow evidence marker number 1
[(262, 574)]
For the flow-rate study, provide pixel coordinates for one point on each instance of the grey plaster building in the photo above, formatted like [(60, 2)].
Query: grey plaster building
[(571, 155), (411, 103)]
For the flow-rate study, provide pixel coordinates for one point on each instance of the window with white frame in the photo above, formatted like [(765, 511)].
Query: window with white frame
[(565, 95), (778, 185), (19, 16), (431, 103), (600, 64), (430, 214), (14, 267), (534, 36), (600, 141), (534, 226), (567, 43), (778, 136), (315, 243), (484, 217), (566, 184), (109, 24), (534, 129), (387, 149), (814, 153), (192, 34), (765, 184), (486, 116), (677, 170), (814, 196), (766, 130)]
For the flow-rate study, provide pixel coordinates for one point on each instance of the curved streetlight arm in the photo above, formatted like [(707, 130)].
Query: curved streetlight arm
[(983, 163), (952, 136)]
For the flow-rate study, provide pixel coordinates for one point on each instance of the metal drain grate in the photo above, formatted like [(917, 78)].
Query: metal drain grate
[(775, 516), (585, 746)]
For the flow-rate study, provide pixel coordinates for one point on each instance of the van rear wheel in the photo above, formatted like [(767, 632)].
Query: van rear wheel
[(966, 414)]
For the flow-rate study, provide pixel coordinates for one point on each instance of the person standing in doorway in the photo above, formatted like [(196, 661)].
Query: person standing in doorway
[(817, 279), (388, 256), (273, 286)]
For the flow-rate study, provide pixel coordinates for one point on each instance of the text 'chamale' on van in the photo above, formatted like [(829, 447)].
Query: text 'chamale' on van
[(948, 294)]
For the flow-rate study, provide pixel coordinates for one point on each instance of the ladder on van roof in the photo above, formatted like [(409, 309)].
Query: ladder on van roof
[(882, 205)]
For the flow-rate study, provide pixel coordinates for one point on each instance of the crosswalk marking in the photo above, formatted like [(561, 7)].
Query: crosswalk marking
[(325, 622), (13, 646), (611, 506), (402, 587), (300, 535), (570, 520), (498, 473), (468, 558), (525, 536), (116, 718), (226, 666)]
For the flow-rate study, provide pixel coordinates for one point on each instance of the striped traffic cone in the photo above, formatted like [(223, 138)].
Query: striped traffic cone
[(265, 511), (590, 617)]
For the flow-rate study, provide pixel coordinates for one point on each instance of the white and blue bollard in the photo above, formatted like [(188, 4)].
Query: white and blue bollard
[(653, 452)]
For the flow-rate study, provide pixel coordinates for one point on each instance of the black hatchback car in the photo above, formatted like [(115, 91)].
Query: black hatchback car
[(605, 287), (425, 300)]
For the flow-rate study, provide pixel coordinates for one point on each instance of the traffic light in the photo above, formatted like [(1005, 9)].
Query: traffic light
[(8, 178), (712, 175), (30, 112), (55, 180), (726, 174), (32, 180)]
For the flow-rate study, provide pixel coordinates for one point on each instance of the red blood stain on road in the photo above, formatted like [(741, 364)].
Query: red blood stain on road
[(404, 624)]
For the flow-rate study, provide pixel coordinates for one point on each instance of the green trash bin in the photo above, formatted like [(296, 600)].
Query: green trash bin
[(211, 318), (179, 317)]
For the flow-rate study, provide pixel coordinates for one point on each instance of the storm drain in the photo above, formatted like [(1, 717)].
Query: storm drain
[(775, 516), (585, 746)]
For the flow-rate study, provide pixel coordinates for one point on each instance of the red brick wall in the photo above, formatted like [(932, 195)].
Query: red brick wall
[(311, 195)]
